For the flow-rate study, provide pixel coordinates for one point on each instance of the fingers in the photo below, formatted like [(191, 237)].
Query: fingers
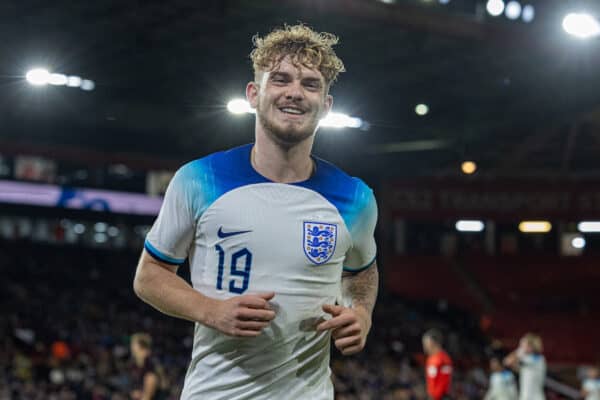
[(346, 342), (260, 300), (337, 322), (334, 310), (267, 295), (351, 350), (350, 330), (252, 314)]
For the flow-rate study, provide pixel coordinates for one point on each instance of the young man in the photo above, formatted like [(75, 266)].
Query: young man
[(531, 364), (438, 367), (502, 382), (280, 243), (145, 379), (590, 389)]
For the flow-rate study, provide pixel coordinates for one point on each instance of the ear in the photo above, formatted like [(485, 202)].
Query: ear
[(328, 104), (252, 90)]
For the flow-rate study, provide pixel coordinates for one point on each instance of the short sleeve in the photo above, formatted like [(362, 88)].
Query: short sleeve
[(362, 230), (172, 233)]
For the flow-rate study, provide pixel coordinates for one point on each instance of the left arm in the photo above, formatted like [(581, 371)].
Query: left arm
[(150, 386), (350, 325)]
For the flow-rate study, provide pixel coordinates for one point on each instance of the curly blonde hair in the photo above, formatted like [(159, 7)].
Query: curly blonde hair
[(305, 46)]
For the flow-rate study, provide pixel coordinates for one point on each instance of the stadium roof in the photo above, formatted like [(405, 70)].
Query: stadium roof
[(517, 98)]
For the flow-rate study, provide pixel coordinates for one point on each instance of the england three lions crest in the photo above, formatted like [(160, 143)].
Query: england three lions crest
[(319, 241)]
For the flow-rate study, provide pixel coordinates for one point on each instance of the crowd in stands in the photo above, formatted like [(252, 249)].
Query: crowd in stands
[(68, 313)]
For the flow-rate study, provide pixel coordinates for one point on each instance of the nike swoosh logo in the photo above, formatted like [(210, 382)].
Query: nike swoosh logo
[(222, 234)]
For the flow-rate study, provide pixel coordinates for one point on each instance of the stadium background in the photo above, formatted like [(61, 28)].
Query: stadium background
[(82, 168)]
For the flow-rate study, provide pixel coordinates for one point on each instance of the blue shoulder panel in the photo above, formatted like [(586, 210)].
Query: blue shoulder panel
[(348, 194)]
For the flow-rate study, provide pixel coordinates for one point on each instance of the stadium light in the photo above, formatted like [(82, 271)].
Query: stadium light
[(578, 242), (528, 13), (512, 10), (581, 25), (42, 77), (57, 79), (495, 7), (87, 85), (535, 226), (468, 167), (240, 106), (73, 81), (589, 226), (421, 109), (38, 76), (466, 225), (339, 120)]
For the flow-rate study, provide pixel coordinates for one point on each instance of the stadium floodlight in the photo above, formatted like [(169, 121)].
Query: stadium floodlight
[(79, 229), (589, 226), (73, 81), (535, 226), (512, 10), (581, 25), (578, 242), (87, 85), (239, 106), (495, 7), (38, 76), (466, 225), (57, 79), (528, 13), (340, 120), (444, 1), (421, 109), (468, 167)]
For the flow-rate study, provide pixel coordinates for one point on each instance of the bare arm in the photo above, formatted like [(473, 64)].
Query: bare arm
[(512, 360), (150, 386), (362, 288), (350, 325), (157, 284)]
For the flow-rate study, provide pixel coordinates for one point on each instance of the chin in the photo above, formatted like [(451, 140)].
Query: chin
[(288, 134)]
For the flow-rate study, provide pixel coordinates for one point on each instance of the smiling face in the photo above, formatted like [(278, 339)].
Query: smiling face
[(289, 100)]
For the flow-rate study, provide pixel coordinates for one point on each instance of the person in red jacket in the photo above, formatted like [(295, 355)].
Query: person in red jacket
[(438, 368)]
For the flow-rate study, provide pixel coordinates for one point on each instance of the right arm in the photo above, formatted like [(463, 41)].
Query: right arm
[(158, 284), (512, 360)]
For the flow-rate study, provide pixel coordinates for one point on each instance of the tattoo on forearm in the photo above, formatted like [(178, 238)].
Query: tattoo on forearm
[(362, 287)]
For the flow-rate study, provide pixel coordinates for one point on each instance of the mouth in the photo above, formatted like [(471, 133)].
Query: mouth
[(290, 110)]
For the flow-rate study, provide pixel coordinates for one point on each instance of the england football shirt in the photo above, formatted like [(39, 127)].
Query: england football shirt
[(532, 375), (592, 387), (243, 234), (502, 386)]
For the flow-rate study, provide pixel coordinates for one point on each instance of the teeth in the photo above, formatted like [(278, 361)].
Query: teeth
[(292, 110)]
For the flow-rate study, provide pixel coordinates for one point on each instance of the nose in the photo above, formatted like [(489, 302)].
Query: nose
[(294, 91)]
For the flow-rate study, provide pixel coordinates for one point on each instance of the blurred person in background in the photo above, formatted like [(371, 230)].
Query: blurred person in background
[(531, 364), (502, 382), (590, 389), (146, 379), (438, 367)]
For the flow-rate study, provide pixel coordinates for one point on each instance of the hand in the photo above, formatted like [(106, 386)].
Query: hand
[(349, 326), (242, 316)]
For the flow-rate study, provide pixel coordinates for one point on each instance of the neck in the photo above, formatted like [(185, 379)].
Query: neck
[(281, 163), (139, 360)]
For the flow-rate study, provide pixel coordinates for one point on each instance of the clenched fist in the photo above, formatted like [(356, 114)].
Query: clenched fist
[(349, 326), (242, 316)]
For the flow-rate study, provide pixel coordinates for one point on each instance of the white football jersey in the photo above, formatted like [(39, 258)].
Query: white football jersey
[(532, 375), (502, 386), (592, 387), (245, 234)]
